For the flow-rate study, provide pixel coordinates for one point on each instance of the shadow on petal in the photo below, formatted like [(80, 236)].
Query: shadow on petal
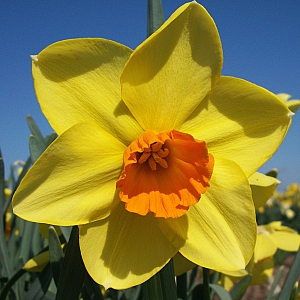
[(126, 246), (254, 108), (70, 58)]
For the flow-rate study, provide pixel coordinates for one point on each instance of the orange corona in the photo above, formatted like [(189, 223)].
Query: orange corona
[(164, 173)]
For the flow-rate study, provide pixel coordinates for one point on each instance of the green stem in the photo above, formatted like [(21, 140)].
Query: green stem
[(206, 290), (10, 283), (73, 271), (182, 286), (162, 285), (155, 15)]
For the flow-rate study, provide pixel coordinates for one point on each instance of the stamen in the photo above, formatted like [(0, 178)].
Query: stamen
[(156, 147), (144, 157), (156, 157), (152, 163), (163, 163), (163, 152)]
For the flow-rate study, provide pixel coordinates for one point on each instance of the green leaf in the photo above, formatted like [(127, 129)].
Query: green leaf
[(55, 253), (50, 138), (35, 131), (220, 291), (24, 171), (40, 285), (275, 282), (133, 293), (272, 173), (155, 15), (10, 283), (35, 148), (291, 278), (168, 281), (27, 240), (240, 288), (182, 286), (162, 285), (152, 288), (73, 271), (206, 290), (4, 257), (92, 289), (294, 292), (66, 231)]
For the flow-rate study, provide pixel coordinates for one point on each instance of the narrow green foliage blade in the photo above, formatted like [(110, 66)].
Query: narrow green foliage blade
[(168, 284), (291, 278), (35, 148), (152, 288), (40, 285), (55, 253), (240, 288), (66, 231), (92, 289), (73, 271), (4, 257), (24, 171), (50, 138), (220, 291), (206, 289), (4, 292), (155, 15), (35, 130), (294, 292), (182, 286), (26, 242), (272, 173), (275, 282), (133, 293)]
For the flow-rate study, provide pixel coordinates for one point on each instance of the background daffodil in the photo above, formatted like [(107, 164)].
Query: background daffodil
[(111, 106)]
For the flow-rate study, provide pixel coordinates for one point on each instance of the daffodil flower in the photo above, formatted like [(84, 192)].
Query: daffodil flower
[(154, 151), (270, 237)]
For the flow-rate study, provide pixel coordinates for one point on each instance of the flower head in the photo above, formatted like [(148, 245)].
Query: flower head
[(154, 151)]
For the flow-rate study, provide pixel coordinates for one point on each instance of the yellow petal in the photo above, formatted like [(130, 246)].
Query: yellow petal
[(169, 74), (283, 96), (37, 263), (240, 121), (286, 241), (263, 187), (264, 247), (79, 81), (220, 230), (181, 264), (293, 105), (262, 271), (124, 249), (73, 182)]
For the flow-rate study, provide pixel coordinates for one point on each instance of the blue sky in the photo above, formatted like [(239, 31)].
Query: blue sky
[(261, 42)]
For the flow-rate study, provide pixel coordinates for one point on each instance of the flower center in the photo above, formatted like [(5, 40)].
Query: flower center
[(154, 155), (183, 168)]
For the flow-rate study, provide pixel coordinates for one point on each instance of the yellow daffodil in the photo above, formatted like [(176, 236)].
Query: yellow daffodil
[(262, 187), (143, 136), (270, 237), (292, 104)]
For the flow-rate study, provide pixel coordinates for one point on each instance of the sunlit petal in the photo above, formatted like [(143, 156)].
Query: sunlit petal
[(263, 187), (79, 81), (220, 230), (241, 122), (169, 74), (73, 182)]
